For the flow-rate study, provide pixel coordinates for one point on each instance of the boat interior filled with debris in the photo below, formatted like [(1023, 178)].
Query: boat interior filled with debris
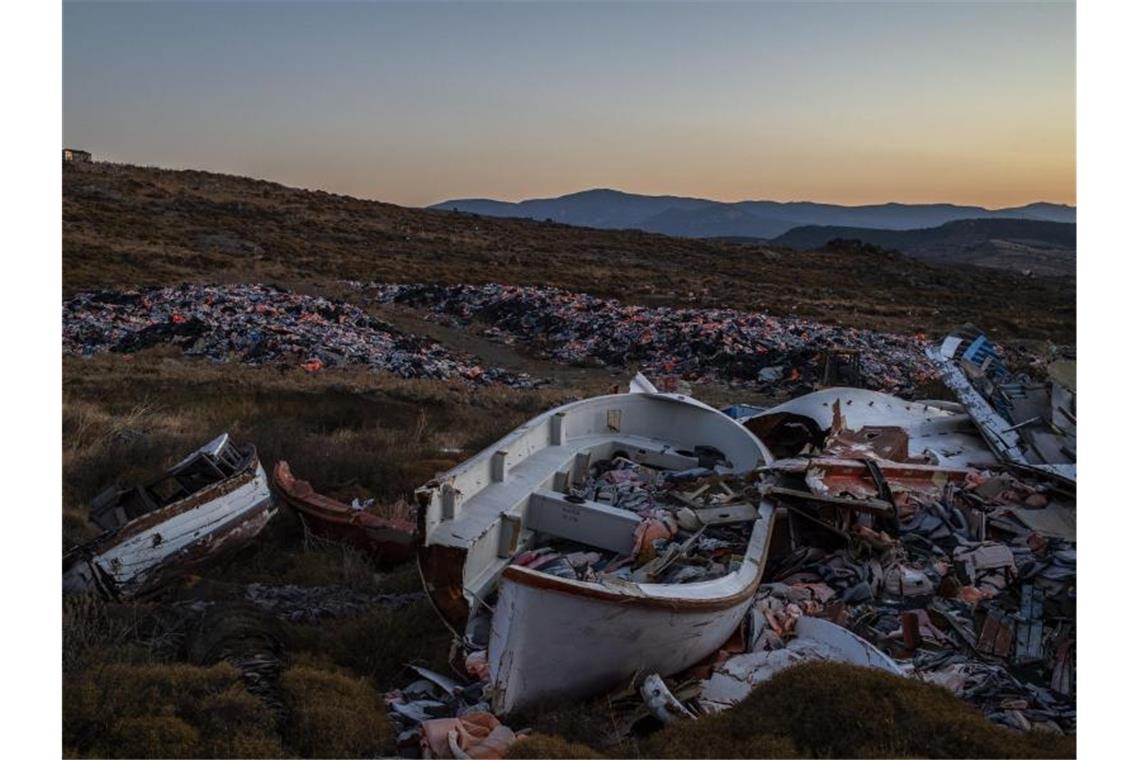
[(216, 498), (609, 536)]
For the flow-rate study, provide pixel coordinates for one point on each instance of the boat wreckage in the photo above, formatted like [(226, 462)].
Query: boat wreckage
[(388, 541), (645, 546), (610, 536), (215, 499), (1027, 424)]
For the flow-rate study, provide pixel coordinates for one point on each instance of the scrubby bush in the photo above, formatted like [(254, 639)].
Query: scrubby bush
[(838, 710), (165, 710), (332, 714)]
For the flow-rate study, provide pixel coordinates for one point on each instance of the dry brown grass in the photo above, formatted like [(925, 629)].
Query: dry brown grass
[(378, 644), (349, 432), (546, 746), (333, 714), (165, 710)]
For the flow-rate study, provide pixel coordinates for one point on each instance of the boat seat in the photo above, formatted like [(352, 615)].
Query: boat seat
[(581, 520)]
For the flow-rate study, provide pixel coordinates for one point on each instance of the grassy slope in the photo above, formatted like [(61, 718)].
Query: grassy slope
[(126, 225)]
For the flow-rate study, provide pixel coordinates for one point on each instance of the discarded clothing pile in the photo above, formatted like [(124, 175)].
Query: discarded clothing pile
[(744, 349), (258, 325), (313, 604), (437, 717), (677, 540)]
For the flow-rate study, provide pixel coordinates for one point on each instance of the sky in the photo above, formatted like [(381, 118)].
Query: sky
[(851, 103)]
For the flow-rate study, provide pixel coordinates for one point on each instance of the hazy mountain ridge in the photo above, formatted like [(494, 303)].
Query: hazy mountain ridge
[(699, 217)]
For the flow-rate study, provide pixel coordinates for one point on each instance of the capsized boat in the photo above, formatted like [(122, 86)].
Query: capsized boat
[(386, 540), (215, 499), (552, 548)]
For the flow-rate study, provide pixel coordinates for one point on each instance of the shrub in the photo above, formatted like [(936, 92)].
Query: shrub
[(165, 710), (332, 714), (838, 710)]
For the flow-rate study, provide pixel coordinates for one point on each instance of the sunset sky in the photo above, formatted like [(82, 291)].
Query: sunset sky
[(846, 103)]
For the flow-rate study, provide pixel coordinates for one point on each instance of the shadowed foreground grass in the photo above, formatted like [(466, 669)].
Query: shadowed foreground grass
[(827, 710), (147, 709), (838, 710)]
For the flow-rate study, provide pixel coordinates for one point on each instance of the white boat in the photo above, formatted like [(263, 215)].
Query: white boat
[(215, 499), (881, 426), (554, 637)]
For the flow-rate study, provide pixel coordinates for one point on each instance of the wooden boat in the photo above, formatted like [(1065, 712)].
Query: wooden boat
[(386, 540), (215, 499), (553, 637)]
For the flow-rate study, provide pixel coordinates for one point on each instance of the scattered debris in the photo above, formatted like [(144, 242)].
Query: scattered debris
[(907, 555), (260, 325), (1025, 423), (387, 540), (744, 349), (215, 499), (437, 717)]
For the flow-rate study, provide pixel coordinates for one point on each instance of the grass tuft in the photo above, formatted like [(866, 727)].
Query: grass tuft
[(332, 714)]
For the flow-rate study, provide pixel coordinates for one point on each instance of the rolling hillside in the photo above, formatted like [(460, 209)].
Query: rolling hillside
[(128, 225)]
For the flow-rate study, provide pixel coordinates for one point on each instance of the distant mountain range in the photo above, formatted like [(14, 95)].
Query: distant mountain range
[(702, 218), (1047, 248)]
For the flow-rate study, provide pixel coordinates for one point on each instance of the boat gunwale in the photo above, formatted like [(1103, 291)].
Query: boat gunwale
[(486, 453), (527, 577), (210, 493)]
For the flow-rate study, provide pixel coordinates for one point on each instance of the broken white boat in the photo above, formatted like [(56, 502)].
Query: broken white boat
[(874, 424), (558, 637), (1028, 425), (215, 499), (815, 639)]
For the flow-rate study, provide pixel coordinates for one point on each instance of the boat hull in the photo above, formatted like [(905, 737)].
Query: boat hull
[(388, 542), (164, 544), (548, 644)]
